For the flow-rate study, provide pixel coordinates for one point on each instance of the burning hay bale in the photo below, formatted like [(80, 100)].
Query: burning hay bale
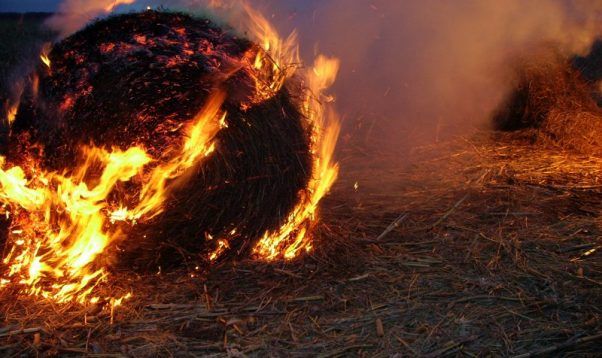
[(169, 138), (554, 103)]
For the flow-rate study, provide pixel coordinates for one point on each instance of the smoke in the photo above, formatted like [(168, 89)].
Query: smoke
[(72, 15), (412, 71)]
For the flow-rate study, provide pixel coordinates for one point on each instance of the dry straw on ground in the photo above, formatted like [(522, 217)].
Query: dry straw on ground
[(496, 251)]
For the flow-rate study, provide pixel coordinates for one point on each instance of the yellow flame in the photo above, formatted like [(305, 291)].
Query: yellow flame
[(222, 246), (204, 127), (44, 54), (288, 241), (275, 59), (45, 59), (62, 226), (277, 63)]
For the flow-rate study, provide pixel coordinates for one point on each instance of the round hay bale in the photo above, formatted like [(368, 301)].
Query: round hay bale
[(553, 103), (136, 79)]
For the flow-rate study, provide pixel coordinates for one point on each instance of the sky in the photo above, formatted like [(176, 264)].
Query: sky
[(52, 5), (28, 5)]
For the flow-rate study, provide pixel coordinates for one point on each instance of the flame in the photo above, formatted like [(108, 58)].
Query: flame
[(45, 60), (222, 246), (293, 236), (277, 61), (44, 56), (12, 112), (61, 223), (199, 144), (12, 107)]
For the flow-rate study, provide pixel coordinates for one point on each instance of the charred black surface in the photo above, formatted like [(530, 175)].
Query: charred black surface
[(135, 79)]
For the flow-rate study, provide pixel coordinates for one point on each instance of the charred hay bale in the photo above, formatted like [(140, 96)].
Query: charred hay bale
[(135, 79), (551, 102)]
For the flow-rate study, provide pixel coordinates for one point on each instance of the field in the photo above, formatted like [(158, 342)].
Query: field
[(480, 245)]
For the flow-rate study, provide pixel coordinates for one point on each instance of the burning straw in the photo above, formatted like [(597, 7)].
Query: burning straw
[(156, 138)]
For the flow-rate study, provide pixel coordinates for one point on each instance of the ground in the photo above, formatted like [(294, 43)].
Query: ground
[(495, 251), (478, 245)]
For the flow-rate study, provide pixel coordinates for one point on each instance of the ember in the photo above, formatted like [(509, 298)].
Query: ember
[(156, 138)]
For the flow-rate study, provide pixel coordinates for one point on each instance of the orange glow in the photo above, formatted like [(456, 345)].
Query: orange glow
[(293, 236), (114, 3), (61, 222), (12, 112), (45, 60), (277, 61)]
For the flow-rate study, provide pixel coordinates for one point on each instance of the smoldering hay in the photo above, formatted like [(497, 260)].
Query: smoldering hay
[(555, 99), (154, 139)]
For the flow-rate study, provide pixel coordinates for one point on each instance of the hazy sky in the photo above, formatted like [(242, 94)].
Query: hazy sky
[(28, 5), (52, 5)]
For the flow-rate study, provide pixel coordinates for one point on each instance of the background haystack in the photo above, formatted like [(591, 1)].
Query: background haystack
[(554, 102), (136, 79)]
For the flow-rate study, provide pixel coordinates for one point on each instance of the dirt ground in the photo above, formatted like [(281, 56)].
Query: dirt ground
[(476, 246)]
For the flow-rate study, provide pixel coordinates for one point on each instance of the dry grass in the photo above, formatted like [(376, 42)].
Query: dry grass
[(498, 253)]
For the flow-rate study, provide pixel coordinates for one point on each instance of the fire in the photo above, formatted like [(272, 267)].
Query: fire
[(12, 107), (205, 126), (293, 236), (278, 62), (12, 112), (45, 60), (63, 223)]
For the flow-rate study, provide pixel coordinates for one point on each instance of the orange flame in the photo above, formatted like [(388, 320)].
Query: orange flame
[(292, 237), (60, 221), (12, 112), (12, 107), (277, 62)]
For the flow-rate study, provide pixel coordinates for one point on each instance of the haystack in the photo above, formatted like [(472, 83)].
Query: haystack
[(553, 103), (136, 79)]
